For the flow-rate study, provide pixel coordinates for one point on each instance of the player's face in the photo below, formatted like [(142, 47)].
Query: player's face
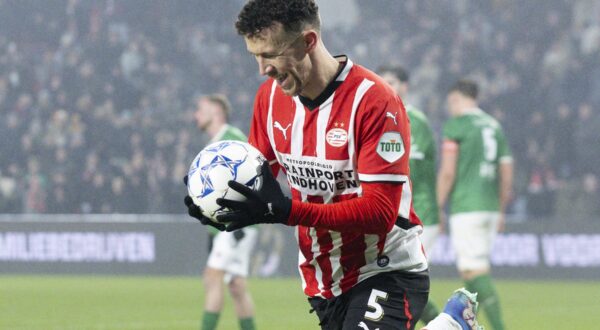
[(399, 87), (281, 57), (203, 114), (454, 100)]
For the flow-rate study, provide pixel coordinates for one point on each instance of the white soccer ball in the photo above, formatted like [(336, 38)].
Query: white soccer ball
[(214, 166)]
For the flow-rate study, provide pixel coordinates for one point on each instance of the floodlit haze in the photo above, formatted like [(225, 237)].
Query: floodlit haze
[(96, 97)]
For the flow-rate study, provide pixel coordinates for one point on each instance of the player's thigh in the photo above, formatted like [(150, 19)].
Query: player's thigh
[(393, 300), (241, 253), (491, 221), (246, 244), (429, 237), (244, 248), (472, 235), (222, 251)]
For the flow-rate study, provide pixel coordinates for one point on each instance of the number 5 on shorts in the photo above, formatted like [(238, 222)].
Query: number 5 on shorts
[(377, 313)]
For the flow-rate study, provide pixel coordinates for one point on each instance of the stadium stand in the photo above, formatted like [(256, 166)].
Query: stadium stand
[(96, 96)]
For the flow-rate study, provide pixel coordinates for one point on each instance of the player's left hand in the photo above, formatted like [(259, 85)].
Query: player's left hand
[(264, 204), (195, 212)]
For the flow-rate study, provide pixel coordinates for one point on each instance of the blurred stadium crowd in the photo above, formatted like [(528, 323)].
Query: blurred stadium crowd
[(96, 97)]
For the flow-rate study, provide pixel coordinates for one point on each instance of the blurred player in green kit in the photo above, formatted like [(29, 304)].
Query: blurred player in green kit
[(422, 169), (229, 252), (475, 177)]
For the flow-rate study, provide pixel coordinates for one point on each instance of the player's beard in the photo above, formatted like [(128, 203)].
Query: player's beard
[(291, 85)]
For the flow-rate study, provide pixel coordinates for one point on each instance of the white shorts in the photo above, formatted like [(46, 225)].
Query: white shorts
[(231, 256), (473, 235), (429, 237)]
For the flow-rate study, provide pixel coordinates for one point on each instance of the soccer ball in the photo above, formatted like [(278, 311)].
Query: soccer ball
[(214, 166)]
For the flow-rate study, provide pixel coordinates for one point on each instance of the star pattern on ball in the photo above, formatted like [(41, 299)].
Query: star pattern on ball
[(218, 160)]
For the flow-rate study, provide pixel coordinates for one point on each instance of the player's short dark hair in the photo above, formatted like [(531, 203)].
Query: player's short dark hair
[(398, 71), (466, 87), (294, 15), (220, 100)]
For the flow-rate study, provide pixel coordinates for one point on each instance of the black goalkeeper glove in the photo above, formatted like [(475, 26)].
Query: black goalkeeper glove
[(196, 212), (266, 204)]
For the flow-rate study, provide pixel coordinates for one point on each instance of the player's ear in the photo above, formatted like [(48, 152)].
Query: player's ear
[(311, 38)]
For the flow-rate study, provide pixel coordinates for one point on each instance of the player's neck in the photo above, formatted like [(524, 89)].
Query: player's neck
[(325, 68), (215, 129), (469, 108)]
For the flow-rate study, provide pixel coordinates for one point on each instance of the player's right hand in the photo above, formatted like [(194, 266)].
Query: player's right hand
[(196, 212)]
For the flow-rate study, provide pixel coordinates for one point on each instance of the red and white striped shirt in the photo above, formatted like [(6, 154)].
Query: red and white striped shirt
[(355, 132)]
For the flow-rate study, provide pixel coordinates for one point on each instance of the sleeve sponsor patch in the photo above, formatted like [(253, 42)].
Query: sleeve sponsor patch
[(391, 146)]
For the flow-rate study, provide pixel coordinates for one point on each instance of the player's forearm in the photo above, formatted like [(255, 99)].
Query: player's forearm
[(445, 181), (373, 213), (447, 173), (506, 184)]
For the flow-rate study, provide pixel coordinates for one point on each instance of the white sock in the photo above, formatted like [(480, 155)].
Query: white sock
[(443, 322)]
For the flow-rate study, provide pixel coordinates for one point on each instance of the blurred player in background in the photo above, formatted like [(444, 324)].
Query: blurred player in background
[(475, 176), (422, 168), (229, 252), (342, 137)]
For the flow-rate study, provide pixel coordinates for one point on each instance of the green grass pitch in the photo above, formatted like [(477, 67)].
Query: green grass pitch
[(57, 302)]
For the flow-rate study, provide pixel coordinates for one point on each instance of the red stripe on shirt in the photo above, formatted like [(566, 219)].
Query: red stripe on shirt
[(309, 147), (308, 271), (414, 218), (325, 246), (296, 195), (407, 312), (352, 258)]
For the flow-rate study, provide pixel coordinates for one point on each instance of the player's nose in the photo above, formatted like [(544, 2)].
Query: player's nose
[(263, 67), (265, 70)]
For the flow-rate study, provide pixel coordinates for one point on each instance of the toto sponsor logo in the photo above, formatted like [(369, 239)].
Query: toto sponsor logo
[(337, 137), (390, 146)]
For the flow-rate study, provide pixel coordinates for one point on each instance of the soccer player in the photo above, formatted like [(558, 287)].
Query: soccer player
[(229, 256), (422, 169), (341, 135), (476, 173)]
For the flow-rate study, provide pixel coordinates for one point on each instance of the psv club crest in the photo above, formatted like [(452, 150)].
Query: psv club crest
[(337, 137)]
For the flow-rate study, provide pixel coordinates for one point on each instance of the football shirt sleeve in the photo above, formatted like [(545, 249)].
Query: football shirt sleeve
[(375, 212), (504, 152), (382, 140), (451, 131), (258, 136)]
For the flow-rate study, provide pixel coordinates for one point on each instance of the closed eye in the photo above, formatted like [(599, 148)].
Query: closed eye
[(267, 56)]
